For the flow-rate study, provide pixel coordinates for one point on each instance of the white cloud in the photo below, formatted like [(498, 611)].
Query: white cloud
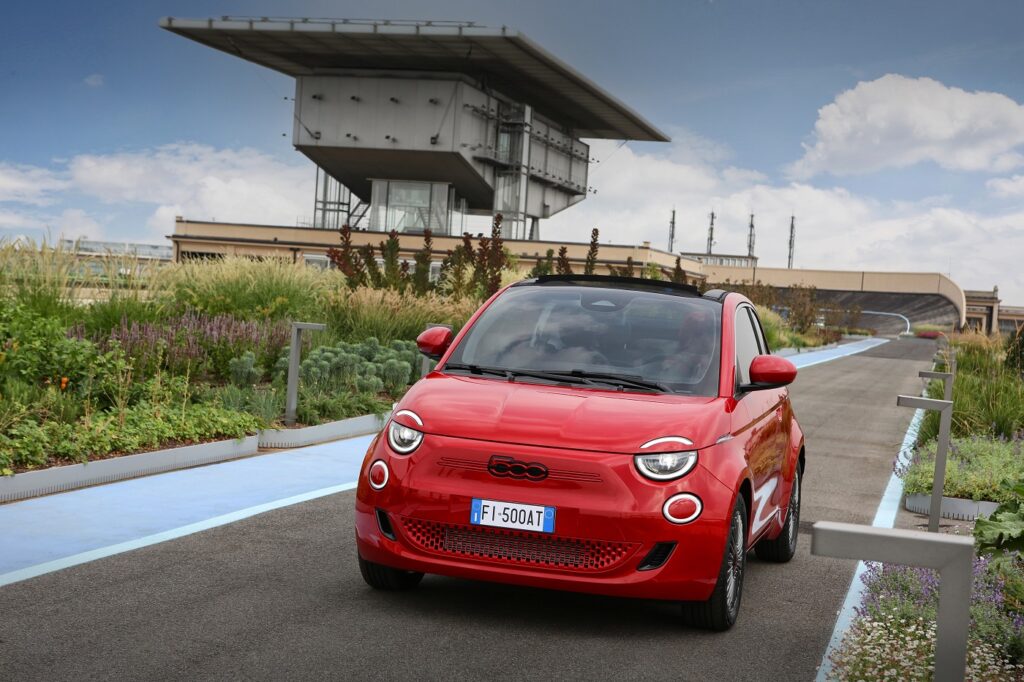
[(14, 220), (94, 80), (895, 122), (28, 184), (1007, 187), (200, 182), (835, 227), (74, 223)]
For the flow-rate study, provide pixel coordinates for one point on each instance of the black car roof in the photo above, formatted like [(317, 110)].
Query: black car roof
[(615, 282)]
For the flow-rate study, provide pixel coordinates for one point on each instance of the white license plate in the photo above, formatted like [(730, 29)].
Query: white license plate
[(533, 517)]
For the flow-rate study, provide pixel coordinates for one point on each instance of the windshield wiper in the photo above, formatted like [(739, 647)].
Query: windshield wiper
[(478, 369), (623, 380), (576, 376), (510, 374)]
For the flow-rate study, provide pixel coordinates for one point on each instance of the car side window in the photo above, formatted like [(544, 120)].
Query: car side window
[(747, 347), (759, 331)]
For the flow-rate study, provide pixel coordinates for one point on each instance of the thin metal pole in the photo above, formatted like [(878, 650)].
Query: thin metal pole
[(945, 409), (291, 399), (942, 448), (952, 619), (951, 555), (792, 240)]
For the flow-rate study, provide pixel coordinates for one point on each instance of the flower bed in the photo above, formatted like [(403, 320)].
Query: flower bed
[(976, 466), (893, 634)]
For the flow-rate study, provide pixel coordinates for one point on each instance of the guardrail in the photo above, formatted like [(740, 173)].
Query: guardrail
[(951, 555)]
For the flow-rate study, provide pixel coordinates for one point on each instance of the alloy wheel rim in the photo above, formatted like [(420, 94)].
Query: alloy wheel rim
[(794, 509), (734, 570)]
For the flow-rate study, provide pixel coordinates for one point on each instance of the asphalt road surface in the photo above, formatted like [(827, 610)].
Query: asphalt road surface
[(278, 596)]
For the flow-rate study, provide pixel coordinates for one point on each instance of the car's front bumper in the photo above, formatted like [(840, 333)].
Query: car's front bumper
[(609, 519)]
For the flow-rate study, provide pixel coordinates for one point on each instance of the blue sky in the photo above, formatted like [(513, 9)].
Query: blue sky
[(894, 131)]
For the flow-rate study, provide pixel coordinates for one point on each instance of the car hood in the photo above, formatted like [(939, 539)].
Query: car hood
[(557, 416)]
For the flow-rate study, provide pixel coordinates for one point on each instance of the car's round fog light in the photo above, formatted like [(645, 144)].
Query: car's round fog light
[(378, 475), (682, 508)]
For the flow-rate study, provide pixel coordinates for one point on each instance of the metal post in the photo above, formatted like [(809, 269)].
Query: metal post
[(947, 381), (951, 555), (945, 410), (792, 240), (291, 401)]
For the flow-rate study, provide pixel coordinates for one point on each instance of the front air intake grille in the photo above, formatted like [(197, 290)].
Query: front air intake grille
[(516, 547), (384, 523), (657, 556)]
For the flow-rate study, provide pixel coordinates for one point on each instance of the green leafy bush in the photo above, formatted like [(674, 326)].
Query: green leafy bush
[(243, 370), (271, 289), (366, 367), (387, 315), (975, 468), (778, 334), (316, 406), (36, 348), (1004, 530), (987, 398), (141, 427), (1015, 352)]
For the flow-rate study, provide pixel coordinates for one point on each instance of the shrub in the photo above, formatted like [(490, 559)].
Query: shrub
[(544, 266), (144, 426), (347, 260), (242, 370), (778, 333), (273, 289), (975, 468), (36, 349), (388, 315), (590, 266), (562, 264), (195, 343), (317, 406), (1015, 352), (987, 398)]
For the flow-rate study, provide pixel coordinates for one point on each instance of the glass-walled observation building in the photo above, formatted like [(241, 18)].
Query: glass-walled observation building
[(412, 207), (417, 125)]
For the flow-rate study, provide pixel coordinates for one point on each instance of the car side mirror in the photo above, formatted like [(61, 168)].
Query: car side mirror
[(770, 371), (434, 342)]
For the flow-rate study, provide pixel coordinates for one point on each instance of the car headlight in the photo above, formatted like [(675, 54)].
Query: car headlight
[(403, 439), (665, 466)]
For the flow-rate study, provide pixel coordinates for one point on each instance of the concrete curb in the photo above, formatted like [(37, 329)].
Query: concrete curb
[(62, 478), (952, 507), (346, 428)]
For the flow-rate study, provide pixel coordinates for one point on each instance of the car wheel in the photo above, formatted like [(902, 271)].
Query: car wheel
[(781, 549), (386, 578), (720, 611)]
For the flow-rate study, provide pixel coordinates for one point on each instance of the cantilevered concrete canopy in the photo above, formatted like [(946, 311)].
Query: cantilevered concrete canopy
[(500, 58)]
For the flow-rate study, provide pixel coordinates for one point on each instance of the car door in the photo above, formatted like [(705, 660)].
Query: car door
[(783, 411), (763, 410)]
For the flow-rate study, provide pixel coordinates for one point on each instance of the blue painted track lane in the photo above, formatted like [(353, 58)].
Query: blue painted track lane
[(49, 529), (816, 357), (50, 533)]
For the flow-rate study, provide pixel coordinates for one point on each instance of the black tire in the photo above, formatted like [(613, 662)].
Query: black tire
[(719, 613), (781, 549), (386, 578)]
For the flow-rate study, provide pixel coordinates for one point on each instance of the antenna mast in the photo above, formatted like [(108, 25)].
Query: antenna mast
[(750, 238), (672, 232), (711, 233), (792, 239)]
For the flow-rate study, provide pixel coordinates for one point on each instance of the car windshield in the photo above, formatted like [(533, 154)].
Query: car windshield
[(598, 335)]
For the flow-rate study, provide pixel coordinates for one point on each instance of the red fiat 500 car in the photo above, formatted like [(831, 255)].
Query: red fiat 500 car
[(609, 435)]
